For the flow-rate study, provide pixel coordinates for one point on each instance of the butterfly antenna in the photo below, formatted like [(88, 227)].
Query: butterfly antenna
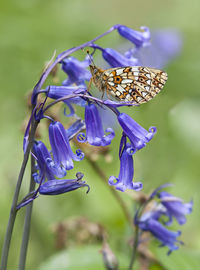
[(90, 56)]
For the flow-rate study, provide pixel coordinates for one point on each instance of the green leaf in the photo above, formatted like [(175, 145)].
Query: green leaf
[(79, 258), (83, 258)]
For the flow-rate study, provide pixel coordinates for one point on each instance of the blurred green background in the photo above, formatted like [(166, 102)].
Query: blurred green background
[(30, 32)]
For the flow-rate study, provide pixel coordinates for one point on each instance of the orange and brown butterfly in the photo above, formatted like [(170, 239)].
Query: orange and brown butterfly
[(136, 85)]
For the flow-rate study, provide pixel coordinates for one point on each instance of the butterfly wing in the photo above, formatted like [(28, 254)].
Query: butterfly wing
[(134, 84)]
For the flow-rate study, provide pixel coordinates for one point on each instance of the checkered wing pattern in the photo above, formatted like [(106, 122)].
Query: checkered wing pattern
[(132, 84)]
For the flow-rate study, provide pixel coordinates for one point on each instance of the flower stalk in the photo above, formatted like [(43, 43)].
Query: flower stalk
[(13, 211), (27, 222), (134, 251)]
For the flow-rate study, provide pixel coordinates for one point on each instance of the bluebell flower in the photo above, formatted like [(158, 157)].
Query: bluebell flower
[(94, 128), (137, 135), (158, 189), (125, 178), (153, 220), (139, 38), (175, 207), (45, 164), (116, 59), (62, 152), (55, 187), (56, 92), (166, 237), (168, 44), (165, 45), (76, 70)]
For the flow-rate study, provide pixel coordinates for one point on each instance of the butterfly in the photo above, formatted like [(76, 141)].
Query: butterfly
[(136, 85)]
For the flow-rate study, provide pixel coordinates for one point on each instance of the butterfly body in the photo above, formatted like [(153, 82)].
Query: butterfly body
[(131, 84)]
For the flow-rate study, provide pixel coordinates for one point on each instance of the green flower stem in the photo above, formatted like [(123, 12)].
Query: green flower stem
[(27, 222), (136, 238), (134, 252), (13, 211)]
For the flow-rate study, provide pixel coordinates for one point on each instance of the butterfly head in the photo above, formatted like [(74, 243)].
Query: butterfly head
[(96, 73), (93, 70)]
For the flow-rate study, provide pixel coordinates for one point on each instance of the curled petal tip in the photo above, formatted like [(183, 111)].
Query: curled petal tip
[(81, 138), (79, 175)]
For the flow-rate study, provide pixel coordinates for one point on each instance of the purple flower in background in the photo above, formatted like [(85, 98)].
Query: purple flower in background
[(166, 237), (62, 152), (76, 70), (137, 135), (152, 220), (175, 207), (56, 187), (94, 128), (125, 178), (139, 38), (45, 164), (165, 45)]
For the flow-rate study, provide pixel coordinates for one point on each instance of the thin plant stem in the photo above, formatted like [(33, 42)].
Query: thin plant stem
[(27, 222), (13, 211), (136, 238), (84, 96), (134, 251)]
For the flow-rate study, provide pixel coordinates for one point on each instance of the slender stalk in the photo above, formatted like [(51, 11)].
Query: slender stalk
[(134, 252), (27, 222), (136, 238), (13, 211), (87, 97)]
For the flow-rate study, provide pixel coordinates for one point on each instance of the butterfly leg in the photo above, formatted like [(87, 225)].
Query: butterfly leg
[(89, 85), (108, 93), (103, 94)]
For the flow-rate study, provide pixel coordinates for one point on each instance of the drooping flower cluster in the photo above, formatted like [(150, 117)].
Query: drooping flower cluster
[(53, 165), (56, 164), (154, 220)]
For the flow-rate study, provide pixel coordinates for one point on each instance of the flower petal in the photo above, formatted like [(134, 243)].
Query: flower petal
[(136, 37), (62, 153), (136, 133), (94, 128), (125, 178)]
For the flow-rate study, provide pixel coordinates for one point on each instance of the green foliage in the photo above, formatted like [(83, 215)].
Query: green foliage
[(184, 259), (83, 258), (79, 258)]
